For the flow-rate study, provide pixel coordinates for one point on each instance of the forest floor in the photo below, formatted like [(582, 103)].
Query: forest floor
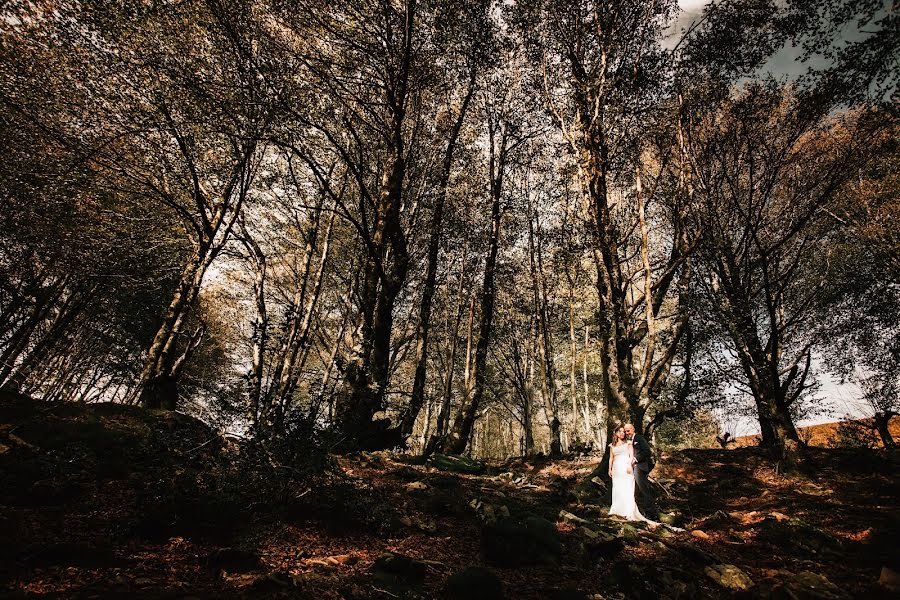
[(107, 501)]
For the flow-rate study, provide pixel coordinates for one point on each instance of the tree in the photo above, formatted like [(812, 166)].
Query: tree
[(86, 265), (217, 143), (370, 74), (517, 367), (473, 50), (286, 250), (862, 303), (175, 118), (604, 77), (543, 330), (506, 135), (767, 168), (454, 224)]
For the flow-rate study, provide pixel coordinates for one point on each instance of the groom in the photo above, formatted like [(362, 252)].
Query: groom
[(643, 462)]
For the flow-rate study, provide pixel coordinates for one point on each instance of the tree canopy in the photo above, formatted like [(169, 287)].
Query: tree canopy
[(460, 226)]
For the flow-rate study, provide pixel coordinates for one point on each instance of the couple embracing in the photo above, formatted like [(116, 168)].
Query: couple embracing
[(630, 461)]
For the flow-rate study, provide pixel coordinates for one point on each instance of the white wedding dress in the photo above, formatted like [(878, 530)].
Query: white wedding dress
[(623, 503)]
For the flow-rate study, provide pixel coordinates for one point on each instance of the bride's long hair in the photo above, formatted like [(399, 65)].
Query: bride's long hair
[(615, 435)]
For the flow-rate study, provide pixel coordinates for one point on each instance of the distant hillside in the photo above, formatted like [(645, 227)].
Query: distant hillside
[(830, 435)]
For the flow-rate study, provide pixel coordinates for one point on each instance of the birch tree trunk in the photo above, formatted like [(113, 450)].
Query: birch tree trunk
[(528, 406), (260, 327), (213, 226), (292, 353), (548, 375), (573, 366)]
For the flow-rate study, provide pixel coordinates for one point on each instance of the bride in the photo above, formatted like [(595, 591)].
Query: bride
[(621, 460)]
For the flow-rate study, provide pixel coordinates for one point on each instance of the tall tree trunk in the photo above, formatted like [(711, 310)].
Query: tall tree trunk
[(778, 414), (216, 215), (632, 367), (458, 438), (613, 345), (587, 391), (158, 388), (426, 422), (283, 358), (440, 429), (297, 342), (548, 375), (409, 416), (528, 429), (573, 365), (882, 426), (369, 373), (467, 370), (528, 406), (260, 327), (388, 263), (776, 425), (159, 379), (306, 325)]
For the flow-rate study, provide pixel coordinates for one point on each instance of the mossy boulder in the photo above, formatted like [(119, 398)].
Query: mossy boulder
[(729, 577), (798, 536), (528, 540), (457, 464), (397, 568), (474, 583), (807, 585), (652, 582)]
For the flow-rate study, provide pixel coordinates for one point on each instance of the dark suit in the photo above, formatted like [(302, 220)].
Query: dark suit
[(643, 457)]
